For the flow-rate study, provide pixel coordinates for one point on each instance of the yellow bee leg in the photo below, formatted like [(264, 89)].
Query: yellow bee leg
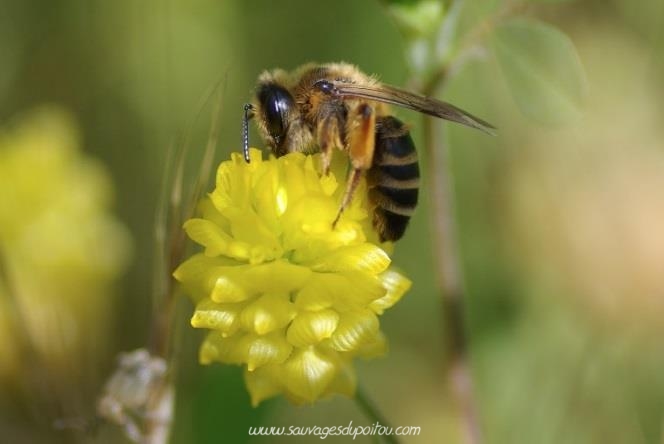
[(361, 143)]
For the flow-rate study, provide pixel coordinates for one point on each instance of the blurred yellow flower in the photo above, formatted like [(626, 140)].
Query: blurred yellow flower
[(282, 291), (60, 249)]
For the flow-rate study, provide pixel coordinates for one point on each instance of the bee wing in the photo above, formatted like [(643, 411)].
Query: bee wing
[(427, 105)]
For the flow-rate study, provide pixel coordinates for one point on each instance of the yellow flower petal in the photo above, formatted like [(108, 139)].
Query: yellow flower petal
[(269, 312), (253, 350), (248, 227), (222, 317), (356, 329), (218, 242), (268, 349), (216, 347), (308, 373), (236, 284), (364, 257), (396, 285), (269, 198), (365, 288), (208, 234), (309, 328), (346, 291), (278, 277), (199, 274), (228, 288), (293, 176), (208, 211)]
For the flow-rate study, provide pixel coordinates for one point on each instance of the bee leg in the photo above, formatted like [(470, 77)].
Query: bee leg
[(362, 137), (361, 143), (351, 185), (328, 138)]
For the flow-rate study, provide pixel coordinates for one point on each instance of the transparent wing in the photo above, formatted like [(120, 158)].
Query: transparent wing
[(427, 105)]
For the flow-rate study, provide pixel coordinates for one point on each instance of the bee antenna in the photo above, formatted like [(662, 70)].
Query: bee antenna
[(248, 113)]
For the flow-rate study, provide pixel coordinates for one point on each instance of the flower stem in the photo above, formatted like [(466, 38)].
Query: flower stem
[(371, 412), (448, 270), (446, 62), (450, 280)]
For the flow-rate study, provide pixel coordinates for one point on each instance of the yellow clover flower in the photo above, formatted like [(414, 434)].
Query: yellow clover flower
[(282, 292), (61, 249)]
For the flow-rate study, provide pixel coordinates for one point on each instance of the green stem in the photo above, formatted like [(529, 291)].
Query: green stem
[(450, 276), (448, 268), (371, 412), (447, 264)]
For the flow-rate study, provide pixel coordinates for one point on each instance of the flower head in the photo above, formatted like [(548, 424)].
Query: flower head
[(283, 292), (61, 248)]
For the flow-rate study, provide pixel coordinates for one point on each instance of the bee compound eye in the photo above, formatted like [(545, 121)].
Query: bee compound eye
[(276, 103), (325, 86)]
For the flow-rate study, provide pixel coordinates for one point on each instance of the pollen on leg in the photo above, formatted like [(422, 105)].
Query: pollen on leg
[(362, 136), (361, 144)]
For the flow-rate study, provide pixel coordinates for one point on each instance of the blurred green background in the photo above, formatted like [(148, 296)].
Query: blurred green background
[(560, 227)]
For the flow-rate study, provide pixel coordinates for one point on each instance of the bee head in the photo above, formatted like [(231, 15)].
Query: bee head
[(276, 102), (272, 106)]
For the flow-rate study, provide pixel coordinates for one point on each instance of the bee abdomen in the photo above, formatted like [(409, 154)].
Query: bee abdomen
[(394, 178)]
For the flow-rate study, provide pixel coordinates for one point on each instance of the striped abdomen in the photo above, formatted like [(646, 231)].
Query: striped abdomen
[(394, 178)]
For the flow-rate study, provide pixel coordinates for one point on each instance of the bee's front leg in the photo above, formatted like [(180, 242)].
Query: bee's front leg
[(328, 136)]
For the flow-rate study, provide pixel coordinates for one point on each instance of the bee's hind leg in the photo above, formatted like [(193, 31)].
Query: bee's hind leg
[(361, 140), (351, 185)]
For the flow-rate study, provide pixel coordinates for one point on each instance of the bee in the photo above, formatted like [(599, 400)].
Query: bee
[(323, 107)]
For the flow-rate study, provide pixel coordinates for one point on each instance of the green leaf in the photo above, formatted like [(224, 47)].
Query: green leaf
[(542, 69), (416, 18)]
